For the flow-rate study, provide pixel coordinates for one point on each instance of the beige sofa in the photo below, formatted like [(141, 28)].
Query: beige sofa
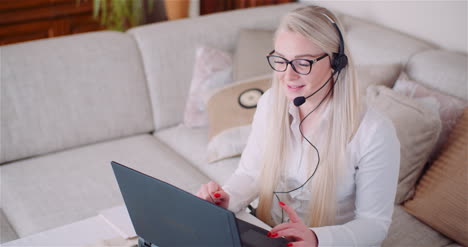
[(71, 105)]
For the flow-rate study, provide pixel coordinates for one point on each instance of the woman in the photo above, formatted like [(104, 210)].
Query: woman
[(328, 164)]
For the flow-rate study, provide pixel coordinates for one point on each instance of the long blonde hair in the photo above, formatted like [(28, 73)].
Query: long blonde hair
[(311, 22)]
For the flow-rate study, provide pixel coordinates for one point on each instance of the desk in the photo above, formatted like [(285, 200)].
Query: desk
[(90, 231)]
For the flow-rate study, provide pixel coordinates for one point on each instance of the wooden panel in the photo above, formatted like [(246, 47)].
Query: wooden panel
[(83, 23), (23, 20), (44, 12), (26, 31), (213, 6), (7, 5)]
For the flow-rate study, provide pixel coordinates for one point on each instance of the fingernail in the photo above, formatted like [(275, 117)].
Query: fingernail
[(269, 234), (281, 203), (274, 235), (289, 244), (217, 195)]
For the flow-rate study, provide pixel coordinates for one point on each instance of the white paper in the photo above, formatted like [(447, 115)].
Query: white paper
[(119, 220)]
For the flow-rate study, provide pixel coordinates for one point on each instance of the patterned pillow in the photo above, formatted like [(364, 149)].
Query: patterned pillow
[(212, 70), (450, 108)]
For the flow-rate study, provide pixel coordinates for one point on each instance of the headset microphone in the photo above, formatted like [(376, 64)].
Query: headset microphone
[(299, 101)]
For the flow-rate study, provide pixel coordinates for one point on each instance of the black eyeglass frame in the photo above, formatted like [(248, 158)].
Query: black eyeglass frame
[(310, 61)]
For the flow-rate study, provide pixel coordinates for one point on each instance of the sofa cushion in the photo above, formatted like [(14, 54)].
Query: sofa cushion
[(440, 199), (417, 128), (7, 233), (192, 145), (380, 74), (230, 112), (454, 244), (442, 70), (212, 70), (250, 57), (373, 44), (406, 230), (169, 58), (66, 92), (61, 188), (450, 108), (235, 104)]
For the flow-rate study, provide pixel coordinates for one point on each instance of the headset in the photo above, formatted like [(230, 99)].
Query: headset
[(340, 60), (337, 63)]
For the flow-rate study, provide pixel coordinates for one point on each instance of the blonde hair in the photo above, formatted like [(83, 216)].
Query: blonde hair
[(311, 22)]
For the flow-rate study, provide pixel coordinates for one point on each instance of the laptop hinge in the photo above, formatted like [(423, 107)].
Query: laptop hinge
[(144, 243)]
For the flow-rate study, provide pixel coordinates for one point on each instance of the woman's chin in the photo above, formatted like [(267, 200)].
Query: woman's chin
[(291, 96)]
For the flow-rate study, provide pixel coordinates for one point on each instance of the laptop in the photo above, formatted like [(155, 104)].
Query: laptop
[(164, 215)]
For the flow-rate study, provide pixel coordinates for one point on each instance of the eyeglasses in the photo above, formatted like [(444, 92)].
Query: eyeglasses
[(301, 66)]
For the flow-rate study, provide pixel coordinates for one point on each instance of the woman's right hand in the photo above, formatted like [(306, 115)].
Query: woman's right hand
[(213, 193)]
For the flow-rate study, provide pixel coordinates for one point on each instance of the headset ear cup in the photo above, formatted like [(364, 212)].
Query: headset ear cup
[(343, 61), (339, 61)]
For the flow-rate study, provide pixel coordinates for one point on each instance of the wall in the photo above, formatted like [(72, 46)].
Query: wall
[(443, 23)]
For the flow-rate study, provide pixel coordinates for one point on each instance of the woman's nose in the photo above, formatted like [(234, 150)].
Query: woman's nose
[(290, 73)]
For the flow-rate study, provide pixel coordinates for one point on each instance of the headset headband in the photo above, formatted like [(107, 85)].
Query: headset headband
[(340, 60)]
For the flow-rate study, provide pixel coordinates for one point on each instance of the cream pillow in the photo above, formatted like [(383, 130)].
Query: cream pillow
[(230, 113), (252, 48), (440, 199), (417, 128)]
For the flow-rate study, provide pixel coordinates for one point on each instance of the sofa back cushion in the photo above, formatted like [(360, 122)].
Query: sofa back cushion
[(369, 43), (71, 91), (168, 51), (442, 70), (7, 233)]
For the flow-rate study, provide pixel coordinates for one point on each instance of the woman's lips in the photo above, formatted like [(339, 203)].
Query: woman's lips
[(295, 88)]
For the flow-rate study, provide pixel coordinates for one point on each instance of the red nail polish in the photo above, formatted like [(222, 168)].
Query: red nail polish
[(274, 235), (281, 203), (289, 244), (269, 234), (217, 195)]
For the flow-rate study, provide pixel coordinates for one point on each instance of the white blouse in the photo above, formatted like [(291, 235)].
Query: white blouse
[(365, 194)]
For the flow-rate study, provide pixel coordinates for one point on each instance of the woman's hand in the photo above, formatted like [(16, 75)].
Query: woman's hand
[(213, 193), (295, 230)]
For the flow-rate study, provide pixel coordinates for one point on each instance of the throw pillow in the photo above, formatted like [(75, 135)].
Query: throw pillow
[(440, 200), (380, 74), (230, 112), (417, 128), (253, 46), (213, 69), (450, 108)]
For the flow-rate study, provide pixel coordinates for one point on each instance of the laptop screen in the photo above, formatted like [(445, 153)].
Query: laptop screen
[(168, 216)]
